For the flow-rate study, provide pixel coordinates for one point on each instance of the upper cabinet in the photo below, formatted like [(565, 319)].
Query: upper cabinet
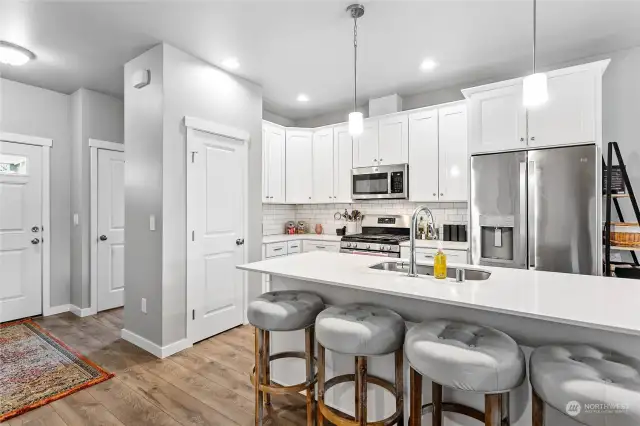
[(273, 163), (438, 161), (365, 146), (342, 164), (572, 115), (322, 170), (299, 164), (393, 143)]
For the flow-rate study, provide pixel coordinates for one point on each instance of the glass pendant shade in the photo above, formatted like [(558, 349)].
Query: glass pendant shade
[(356, 123), (534, 90)]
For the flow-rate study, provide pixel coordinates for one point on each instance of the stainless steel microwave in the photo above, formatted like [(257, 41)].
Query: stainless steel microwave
[(370, 183)]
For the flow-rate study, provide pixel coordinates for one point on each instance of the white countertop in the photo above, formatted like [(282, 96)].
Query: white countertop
[(447, 245), (610, 304)]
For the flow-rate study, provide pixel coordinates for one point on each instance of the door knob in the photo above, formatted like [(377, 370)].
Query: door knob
[(35, 241), (35, 229), (240, 241), (103, 238)]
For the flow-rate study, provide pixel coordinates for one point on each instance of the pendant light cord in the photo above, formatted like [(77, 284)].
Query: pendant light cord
[(355, 62), (534, 34)]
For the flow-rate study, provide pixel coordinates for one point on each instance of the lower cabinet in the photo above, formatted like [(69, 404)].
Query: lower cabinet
[(427, 255), (308, 246)]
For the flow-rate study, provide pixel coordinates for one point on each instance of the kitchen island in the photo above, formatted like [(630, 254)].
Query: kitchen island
[(534, 307)]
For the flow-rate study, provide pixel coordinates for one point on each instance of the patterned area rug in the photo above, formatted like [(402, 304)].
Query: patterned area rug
[(36, 369)]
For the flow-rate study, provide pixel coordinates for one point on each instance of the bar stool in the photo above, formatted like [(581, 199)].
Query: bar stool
[(283, 311), (464, 357), (594, 387), (359, 330)]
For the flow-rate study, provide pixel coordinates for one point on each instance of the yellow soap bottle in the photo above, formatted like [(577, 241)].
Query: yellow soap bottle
[(440, 263)]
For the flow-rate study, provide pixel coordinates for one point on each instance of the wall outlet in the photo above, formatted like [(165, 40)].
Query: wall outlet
[(143, 306)]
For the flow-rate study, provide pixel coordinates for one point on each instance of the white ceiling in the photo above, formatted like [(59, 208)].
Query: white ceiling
[(291, 47)]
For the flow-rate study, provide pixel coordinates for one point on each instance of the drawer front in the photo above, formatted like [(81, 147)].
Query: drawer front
[(276, 249), (453, 256), (321, 246), (294, 247)]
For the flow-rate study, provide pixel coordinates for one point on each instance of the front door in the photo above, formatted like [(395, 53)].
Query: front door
[(110, 229), (20, 231), (216, 211)]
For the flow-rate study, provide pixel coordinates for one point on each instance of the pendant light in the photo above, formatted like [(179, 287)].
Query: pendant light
[(534, 86), (356, 120)]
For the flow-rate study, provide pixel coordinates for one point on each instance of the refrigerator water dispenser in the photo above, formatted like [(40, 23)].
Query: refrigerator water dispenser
[(496, 238)]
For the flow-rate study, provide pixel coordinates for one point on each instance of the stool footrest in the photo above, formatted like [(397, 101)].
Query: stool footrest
[(274, 388), (465, 410)]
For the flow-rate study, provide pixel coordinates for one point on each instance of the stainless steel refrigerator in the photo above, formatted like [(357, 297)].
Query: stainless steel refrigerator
[(538, 209)]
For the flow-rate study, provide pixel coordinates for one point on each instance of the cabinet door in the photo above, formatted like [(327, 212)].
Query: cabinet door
[(497, 120), (423, 161), (299, 166), (453, 153), (276, 164), (323, 166), (569, 116), (393, 146), (342, 164), (365, 146), (265, 164)]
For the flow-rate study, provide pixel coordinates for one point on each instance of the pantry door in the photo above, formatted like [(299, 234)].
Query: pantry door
[(21, 234), (216, 212), (110, 229)]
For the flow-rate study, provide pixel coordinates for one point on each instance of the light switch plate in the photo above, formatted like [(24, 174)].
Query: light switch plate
[(143, 305)]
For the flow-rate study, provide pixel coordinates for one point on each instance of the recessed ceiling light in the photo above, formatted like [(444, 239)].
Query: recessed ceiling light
[(231, 63), (302, 98), (13, 54), (428, 65)]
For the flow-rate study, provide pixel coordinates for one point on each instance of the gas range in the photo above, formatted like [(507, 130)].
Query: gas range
[(381, 236)]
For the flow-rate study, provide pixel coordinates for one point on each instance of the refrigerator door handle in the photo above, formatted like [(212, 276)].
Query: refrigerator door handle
[(522, 226), (531, 222)]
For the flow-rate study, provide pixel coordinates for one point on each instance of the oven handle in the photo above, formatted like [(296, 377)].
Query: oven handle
[(369, 253)]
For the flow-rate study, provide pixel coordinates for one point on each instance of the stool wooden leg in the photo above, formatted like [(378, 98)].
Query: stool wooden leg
[(436, 399), (361, 374), (320, 421), (415, 398), (492, 410), (259, 413), (506, 407), (266, 367), (310, 354), (356, 391), (400, 385), (537, 411)]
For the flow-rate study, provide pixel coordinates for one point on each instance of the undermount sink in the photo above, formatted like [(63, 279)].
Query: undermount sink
[(403, 267)]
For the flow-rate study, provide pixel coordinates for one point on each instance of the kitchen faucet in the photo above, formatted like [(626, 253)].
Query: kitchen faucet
[(412, 243)]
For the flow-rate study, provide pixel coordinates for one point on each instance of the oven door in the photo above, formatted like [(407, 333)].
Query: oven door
[(380, 182), (370, 253)]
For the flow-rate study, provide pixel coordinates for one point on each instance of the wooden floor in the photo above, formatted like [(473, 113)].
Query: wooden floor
[(207, 384)]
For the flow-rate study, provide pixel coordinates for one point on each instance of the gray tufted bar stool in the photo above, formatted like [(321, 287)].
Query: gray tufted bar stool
[(362, 331), (594, 387), (464, 357), (283, 311)]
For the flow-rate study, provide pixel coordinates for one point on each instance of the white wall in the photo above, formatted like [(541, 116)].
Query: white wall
[(278, 119), (34, 111)]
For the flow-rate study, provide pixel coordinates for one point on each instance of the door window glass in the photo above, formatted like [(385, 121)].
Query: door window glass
[(13, 164)]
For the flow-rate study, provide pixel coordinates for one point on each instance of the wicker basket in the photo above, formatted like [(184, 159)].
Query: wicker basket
[(625, 234)]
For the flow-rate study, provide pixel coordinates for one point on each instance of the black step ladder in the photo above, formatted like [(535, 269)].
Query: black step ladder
[(614, 199)]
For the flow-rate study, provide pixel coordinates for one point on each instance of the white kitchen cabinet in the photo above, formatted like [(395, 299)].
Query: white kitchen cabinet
[(322, 169), (273, 163), (393, 139), (426, 255), (342, 164), (331, 246), (453, 167), (299, 166), (568, 117), (497, 119), (423, 158), (365, 146)]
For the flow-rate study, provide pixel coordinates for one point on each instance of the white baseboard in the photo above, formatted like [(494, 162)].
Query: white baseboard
[(81, 312), (152, 348), (55, 310)]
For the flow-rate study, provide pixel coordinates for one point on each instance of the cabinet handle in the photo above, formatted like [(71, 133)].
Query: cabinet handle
[(331, 196), (277, 249), (533, 138), (434, 194), (375, 161), (320, 247), (309, 197), (381, 160), (428, 256), (441, 194), (521, 139)]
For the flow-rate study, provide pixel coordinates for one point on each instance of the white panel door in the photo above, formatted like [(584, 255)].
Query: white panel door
[(274, 158), (323, 166), (497, 120), (20, 231), (299, 166), (365, 146), (423, 161), (110, 229), (393, 146), (453, 153), (569, 116), (216, 212), (342, 164)]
